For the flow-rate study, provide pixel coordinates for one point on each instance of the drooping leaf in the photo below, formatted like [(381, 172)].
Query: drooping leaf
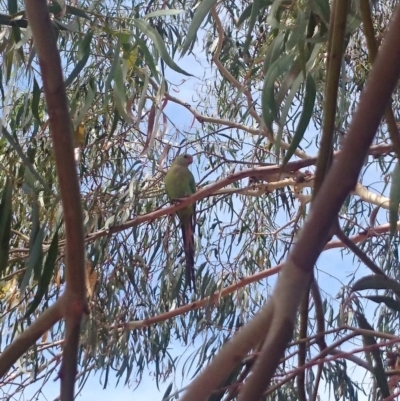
[(35, 100), (142, 98), (273, 15), (111, 74), (268, 104), (151, 132), (388, 301), (201, 12), (12, 6), (46, 275), (293, 86), (394, 199), (247, 11), (298, 32), (34, 261), (148, 57), (376, 282), (9, 59), (378, 368), (26, 161), (115, 120), (305, 117), (159, 44), (167, 392), (5, 224), (84, 51), (274, 51), (253, 17), (120, 94), (16, 30), (91, 92), (322, 9)]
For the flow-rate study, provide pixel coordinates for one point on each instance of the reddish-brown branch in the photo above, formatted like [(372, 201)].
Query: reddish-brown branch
[(339, 182), (276, 318), (61, 130), (264, 172), (335, 354), (385, 228), (205, 302), (30, 335)]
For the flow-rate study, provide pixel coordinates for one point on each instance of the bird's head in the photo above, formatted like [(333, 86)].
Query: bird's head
[(183, 160)]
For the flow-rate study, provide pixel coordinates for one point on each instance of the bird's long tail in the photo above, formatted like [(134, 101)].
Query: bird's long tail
[(188, 247)]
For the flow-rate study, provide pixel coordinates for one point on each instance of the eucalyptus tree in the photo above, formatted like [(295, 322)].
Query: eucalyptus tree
[(263, 100)]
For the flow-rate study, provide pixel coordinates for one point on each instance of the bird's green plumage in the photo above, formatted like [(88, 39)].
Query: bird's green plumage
[(180, 183)]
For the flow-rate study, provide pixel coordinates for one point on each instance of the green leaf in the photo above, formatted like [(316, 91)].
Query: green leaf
[(322, 9), (35, 222), (114, 122), (388, 301), (26, 161), (84, 45), (375, 352), (247, 12), (77, 12), (294, 86), (158, 41), (143, 97), (275, 50), (46, 276), (298, 33), (111, 74), (149, 58), (5, 224), (84, 52), (35, 248), (156, 248), (35, 100), (305, 117), (201, 12), (255, 9), (274, 15), (353, 22), (394, 199), (9, 59), (167, 392), (120, 94), (34, 260), (268, 104), (17, 36), (12, 7), (376, 282), (91, 92)]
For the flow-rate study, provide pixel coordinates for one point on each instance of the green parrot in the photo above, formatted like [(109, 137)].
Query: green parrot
[(179, 183)]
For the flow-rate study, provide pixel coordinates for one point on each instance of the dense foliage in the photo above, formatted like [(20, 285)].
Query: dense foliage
[(251, 89)]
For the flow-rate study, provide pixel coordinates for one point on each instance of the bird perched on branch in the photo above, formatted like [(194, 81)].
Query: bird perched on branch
[(179, 183)]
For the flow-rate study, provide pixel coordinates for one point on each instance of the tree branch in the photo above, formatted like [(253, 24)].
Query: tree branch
[(30, 335), (61, 130), (280, 311)]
